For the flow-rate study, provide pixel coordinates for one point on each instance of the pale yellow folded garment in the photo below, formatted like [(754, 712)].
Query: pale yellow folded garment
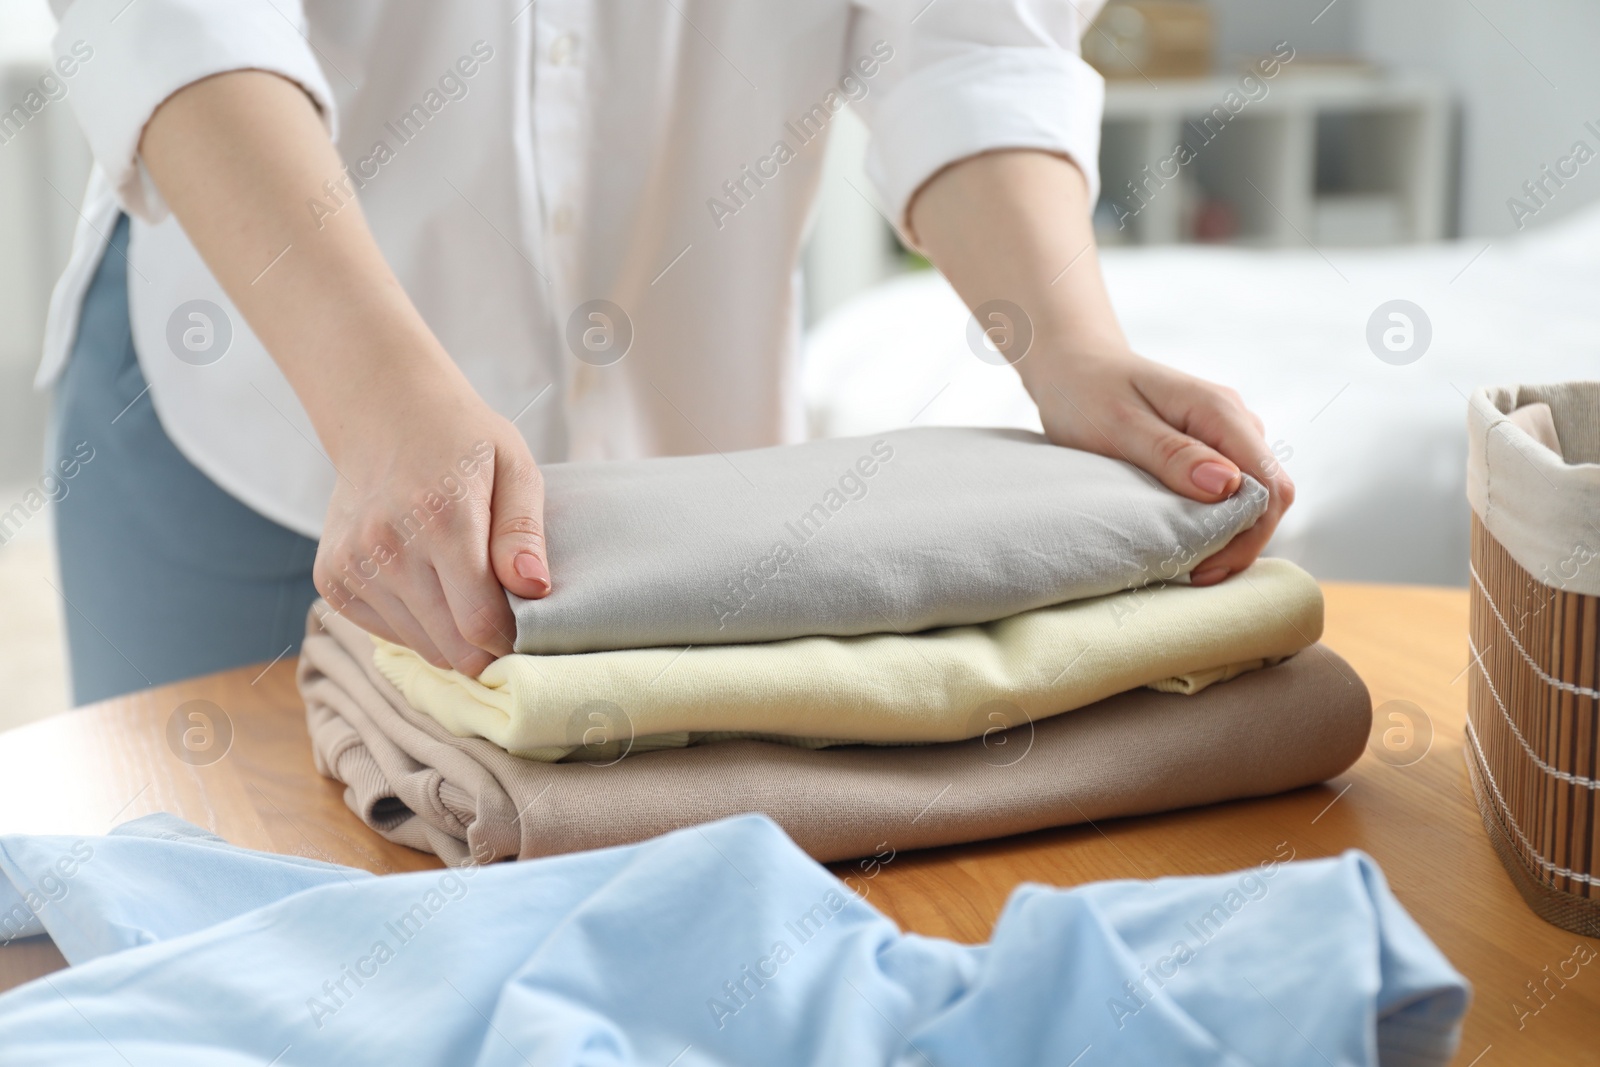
[(939, 685)]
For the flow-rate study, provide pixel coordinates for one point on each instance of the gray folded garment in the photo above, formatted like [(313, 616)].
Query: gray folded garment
[(1301, 722), (905, 531)]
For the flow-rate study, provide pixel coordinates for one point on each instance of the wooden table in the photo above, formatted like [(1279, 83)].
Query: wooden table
[(86, 770)]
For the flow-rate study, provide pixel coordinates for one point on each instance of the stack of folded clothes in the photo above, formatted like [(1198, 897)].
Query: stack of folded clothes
[(868, 639)]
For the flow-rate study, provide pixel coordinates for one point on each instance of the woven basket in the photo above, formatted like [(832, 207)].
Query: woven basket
[(1533, 726)]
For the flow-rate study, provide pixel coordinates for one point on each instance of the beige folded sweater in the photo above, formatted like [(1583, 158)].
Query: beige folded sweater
[(940, 685)]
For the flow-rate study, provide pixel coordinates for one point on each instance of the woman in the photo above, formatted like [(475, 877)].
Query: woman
[(371, 262)]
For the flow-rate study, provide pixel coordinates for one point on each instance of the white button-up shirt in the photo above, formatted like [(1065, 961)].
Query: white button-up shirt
[(597, 205)]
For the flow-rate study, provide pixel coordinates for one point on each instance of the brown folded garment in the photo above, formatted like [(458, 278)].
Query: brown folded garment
[(1300, 722)]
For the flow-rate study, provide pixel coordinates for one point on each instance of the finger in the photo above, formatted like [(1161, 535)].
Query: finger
[(424, 597), (399, 618), (516, 527), (1246, 546), (1218, 418), (474, 598), (1236, 555), (1182, 463), (1232, 430), (478, 605), (341, 596), (363, 616)]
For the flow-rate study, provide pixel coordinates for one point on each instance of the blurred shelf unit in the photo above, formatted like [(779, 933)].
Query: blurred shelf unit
[(1324, 157)]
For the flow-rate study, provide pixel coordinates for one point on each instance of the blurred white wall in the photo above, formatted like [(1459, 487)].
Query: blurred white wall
[(1525, 75), (35, 233), (43, 167)]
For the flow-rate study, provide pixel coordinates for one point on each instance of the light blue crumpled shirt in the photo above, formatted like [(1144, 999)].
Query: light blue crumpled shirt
[(719, 944)]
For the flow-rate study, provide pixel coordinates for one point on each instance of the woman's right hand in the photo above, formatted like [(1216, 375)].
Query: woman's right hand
[(438, 502), (438, 506)]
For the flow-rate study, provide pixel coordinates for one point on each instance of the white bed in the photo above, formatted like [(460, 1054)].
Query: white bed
[(1377, 451)]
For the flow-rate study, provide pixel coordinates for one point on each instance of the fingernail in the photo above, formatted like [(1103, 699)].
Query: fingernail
[(1209, 576), (1213, 477), (532, 568)]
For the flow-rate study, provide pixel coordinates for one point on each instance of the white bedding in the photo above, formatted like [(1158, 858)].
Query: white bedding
[(1377, 451)]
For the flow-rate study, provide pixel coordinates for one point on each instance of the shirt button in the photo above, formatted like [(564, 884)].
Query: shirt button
[(561, 221), (564, 49)]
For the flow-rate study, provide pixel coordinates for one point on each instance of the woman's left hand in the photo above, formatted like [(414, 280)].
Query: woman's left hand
[(1195, 437), (1014, 226)]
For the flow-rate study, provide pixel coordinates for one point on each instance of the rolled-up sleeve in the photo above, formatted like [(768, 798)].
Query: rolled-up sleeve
[(131, 55), (972, 76)]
